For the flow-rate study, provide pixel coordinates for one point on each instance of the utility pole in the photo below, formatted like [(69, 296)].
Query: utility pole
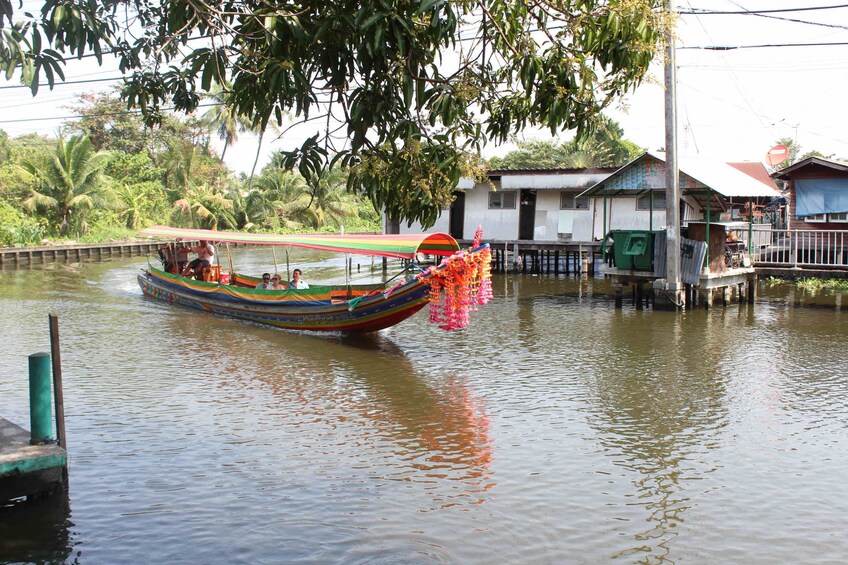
[(668, 293)]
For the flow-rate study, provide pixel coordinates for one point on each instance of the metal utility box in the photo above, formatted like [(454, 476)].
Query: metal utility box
[(633, 250)]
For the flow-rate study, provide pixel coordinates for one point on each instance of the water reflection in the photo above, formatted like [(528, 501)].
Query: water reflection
[(36, 531), (658, 407), (439, 426)]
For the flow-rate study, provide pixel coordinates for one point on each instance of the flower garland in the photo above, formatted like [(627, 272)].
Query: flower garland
[(458, 285)]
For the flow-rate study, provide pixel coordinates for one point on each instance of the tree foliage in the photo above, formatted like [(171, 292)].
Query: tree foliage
[(604, 147), (70, 183), (404, 91)]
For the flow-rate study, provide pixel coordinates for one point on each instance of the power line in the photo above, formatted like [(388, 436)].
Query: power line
[(763, 45), (59, 83), (705, 12), (122, 113)]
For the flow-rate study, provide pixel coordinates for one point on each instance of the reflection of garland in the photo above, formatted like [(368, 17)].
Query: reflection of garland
[(457, 286)]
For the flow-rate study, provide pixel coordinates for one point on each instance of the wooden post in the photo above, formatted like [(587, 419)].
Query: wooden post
[(618, 296), (57, 380), (752, 290), (639, 291), (58, 391), (556, 262), (708, 298)]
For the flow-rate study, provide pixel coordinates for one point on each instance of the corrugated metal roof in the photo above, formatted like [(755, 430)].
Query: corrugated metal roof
[(833, 164), (716, 175), (552, 170), (576, 181), (725, 179), (543, 179), (757, 171)]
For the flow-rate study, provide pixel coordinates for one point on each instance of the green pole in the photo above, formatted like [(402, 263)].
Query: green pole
[(707, 256), (604, 242), (750, 225), (40, 414)]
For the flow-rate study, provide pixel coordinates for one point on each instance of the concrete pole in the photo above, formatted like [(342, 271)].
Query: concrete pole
[(672, 290)]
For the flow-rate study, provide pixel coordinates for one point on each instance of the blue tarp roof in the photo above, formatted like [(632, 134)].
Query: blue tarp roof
[(820, 196)]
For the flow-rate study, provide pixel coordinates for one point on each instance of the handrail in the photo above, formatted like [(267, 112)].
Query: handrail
[(796, 248)]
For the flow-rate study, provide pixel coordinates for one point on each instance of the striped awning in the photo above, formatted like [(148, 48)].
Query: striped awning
[(403, 246)]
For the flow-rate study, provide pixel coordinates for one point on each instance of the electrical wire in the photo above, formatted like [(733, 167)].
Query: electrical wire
[(705, 12)]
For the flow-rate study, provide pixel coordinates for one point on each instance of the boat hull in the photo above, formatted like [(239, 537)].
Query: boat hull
[(297, 310)]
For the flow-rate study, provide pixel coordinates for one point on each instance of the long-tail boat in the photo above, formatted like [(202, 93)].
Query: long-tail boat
[(453, 288)]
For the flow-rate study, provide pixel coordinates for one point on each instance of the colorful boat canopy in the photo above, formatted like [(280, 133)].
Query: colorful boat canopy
[(403, 246)]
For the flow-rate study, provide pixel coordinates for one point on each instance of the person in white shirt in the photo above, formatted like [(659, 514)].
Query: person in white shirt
[(296, 281), (266, 281), (205, 254)]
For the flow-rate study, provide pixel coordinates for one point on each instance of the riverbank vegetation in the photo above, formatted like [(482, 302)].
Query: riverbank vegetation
[(816, 285), (106, 175)]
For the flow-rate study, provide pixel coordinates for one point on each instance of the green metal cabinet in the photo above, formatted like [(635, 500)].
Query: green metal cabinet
[(633, 249)]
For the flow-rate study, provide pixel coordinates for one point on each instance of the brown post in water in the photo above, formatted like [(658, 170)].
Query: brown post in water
[(57, 386)]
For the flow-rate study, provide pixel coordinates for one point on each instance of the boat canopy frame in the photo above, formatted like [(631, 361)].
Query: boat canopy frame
[(401, 246)]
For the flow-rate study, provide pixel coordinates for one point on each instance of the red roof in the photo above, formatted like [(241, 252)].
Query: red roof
[(755, 171)]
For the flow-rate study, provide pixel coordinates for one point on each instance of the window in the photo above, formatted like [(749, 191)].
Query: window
[(840, 218), (502, 200), (815, 219), (570, 201), (644, 202)]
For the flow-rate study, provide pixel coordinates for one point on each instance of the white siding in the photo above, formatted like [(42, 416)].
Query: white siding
[(623, 215), (547, 215), (497, 224)]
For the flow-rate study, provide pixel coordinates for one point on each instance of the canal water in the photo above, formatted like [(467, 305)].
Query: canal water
[(556, 429)]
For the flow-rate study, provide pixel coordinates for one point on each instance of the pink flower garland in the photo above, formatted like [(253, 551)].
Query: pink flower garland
[(458, 285)]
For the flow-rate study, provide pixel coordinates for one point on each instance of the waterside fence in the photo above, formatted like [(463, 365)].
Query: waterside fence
[(819, 250), (28, 256)]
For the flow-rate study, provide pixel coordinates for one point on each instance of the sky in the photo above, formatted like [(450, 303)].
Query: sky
[(733, 105)]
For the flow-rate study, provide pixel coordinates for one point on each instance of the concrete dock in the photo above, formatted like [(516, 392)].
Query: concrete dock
[(28, 470)]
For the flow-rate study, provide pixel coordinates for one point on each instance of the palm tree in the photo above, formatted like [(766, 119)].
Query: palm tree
[(273, 189), (70, 182), (325, 201), (208, 206), (223, 119), (178, 163)]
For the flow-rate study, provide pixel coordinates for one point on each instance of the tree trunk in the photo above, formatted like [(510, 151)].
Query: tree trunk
[(256, 160)]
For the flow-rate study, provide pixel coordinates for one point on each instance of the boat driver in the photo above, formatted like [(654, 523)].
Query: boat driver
[(205, 254)]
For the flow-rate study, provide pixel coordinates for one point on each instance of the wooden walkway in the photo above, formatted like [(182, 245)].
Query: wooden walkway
[(550, 257), (27, 470)]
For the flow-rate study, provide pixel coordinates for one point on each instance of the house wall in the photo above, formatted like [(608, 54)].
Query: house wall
[(811, 172), (547, 215), (497, 224), (623, 215), (551, 223)]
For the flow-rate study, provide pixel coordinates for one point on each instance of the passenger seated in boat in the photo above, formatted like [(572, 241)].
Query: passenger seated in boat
[(275, 283), (166, 256), (205, 253), (296, 281), (266, 281), (183, 250)]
